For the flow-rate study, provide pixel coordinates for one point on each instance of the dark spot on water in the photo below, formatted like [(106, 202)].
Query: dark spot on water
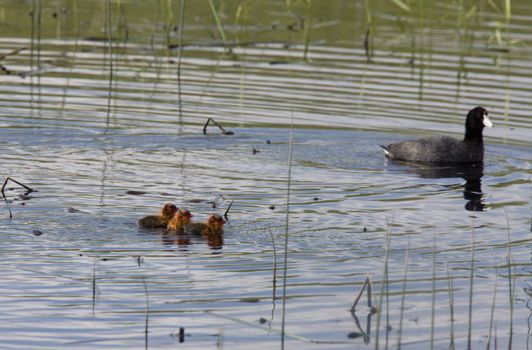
[(262, 320), (268, 142), (354, 335), (213, 205), (389, 328), (254, 150), (23, 204), (228, 133), (365, 229), (272, 207), (249, 300), (73, 210), (135, 193), (181, 334), (195, 200), (36, 233), (316, 199)]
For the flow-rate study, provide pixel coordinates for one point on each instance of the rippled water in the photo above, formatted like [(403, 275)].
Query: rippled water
[(100, 159)]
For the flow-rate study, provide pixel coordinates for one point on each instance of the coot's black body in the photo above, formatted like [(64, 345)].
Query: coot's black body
[(446, 149)]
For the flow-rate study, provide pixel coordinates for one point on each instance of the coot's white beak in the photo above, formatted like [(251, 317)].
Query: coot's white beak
[(487, 123)]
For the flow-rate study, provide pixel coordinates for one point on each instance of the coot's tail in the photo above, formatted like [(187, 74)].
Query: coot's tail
[(387, 152)]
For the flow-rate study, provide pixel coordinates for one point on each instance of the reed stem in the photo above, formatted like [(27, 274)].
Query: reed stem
[(287, 219)]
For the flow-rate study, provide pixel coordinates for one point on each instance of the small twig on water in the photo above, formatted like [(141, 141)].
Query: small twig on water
[(359, 295), (18, 183), (225, 132), (14, 52), (227, 211), (4, 194), (371, 308)]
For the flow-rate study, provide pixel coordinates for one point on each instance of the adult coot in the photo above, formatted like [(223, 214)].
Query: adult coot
[(445, 149)]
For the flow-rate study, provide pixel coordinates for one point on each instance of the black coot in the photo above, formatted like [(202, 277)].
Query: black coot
[(445, 149)]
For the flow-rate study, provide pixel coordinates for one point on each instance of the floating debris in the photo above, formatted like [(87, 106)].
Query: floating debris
[(136, 193), (225, 132), (37, 233), (227, 211), (181, 334), (29, 189)]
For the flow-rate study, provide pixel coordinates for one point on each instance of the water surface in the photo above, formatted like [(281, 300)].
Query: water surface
[(106, 139)]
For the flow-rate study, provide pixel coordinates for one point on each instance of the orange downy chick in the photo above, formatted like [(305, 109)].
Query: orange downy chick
[(161, 220), (180, 220), (213, 226)]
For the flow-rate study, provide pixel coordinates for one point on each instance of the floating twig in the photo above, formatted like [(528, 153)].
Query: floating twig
[(29, 189), (227, 211), (225, 132), (14, 52), (4, 194), (367, 284)]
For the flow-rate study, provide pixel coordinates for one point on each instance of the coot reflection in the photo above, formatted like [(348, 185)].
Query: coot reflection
[(470, 172)]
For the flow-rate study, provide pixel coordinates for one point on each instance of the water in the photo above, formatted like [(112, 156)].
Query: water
[(100, 160)]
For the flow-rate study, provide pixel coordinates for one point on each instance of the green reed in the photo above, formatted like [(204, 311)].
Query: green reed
[(218, 23), (93, 286), (471, 278), (403, 295), (510, 284), (147, 313), (306, 29), (433, 301), (488, 345), (287, 220), (384, 282), (109, 56), (451, 307), (181, 28)]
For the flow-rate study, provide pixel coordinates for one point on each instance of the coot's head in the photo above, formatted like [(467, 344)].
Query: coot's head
[(169, 210), (216, 221), (476, 120), (184, 215)]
